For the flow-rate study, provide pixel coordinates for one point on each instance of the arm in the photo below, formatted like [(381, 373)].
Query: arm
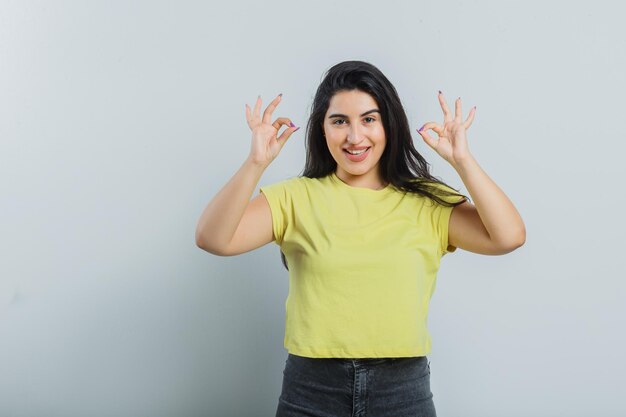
[(493, 226), (231, 220), (231, 224)]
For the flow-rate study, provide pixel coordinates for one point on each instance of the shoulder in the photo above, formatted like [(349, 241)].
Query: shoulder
[(444, 192), (286, 183), (301, 182), (292, 187)]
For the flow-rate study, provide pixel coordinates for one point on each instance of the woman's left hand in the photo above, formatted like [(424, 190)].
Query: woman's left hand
[(452, 142)]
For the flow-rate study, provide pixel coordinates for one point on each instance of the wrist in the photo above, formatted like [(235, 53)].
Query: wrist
[(461, 164), (255, 164)]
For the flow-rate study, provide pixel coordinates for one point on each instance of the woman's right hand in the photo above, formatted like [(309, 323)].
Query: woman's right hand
[(265, 143)]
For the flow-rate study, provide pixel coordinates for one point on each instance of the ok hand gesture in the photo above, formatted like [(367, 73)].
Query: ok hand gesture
[(452, 142), (265, 143)]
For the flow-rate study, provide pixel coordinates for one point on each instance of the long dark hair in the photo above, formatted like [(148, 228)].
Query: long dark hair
[(400, 163)]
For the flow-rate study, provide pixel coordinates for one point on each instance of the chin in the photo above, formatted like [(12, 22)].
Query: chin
[(357, 171)]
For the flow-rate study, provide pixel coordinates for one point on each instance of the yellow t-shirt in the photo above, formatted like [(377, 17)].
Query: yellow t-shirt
[(362, 266)]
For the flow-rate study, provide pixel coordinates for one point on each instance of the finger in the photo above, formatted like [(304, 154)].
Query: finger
[(470, 118), (283, 121), (248, 114), (257, 108), (436, 127), (447, 116), (286, 134), (427, 138), (457, 109), (267, 114)]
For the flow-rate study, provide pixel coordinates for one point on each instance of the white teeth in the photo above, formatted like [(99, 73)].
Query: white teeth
[(356, 152)]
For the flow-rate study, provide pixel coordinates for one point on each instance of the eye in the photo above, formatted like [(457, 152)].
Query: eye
[(338, 120)]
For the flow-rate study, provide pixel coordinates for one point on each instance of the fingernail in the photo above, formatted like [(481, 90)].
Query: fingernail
[(280, 95), (291, 124), (296, 130), (420, 129), (439, 91)]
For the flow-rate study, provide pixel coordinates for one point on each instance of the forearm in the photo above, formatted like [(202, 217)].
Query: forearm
[(498, 214), (221, 217)]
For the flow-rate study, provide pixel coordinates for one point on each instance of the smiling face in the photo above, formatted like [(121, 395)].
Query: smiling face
[(353, 122)]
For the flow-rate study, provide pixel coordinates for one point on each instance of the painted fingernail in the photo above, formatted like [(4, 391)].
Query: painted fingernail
[(440, 92), (296, 130), (280, 95), (420, 129), (291, 124)]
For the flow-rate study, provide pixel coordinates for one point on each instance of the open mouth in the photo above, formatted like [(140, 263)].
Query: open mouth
[(358, 156)]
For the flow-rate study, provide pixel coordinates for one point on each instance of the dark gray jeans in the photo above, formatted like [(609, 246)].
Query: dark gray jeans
[(364, 387)]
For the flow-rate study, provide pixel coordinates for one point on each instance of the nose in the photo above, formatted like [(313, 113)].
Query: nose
[(354, 136)]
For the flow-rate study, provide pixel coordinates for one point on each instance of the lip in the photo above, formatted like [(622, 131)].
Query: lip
[(357, 158)]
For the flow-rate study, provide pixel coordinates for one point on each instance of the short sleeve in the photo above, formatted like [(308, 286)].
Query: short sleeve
[(279, 199), (441, 221), (441, 216)]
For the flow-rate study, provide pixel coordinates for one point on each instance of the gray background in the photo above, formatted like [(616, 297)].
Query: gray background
[(119, 121)]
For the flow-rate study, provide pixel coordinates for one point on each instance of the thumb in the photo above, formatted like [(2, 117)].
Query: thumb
[(427, 138), (282, 139)]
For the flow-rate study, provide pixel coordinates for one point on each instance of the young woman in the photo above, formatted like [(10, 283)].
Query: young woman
[(362, 232)]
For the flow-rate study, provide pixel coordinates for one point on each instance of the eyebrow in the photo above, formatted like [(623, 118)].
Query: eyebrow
[(364, 114)]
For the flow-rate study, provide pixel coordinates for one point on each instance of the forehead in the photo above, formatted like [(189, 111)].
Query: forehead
[(355, 102)]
